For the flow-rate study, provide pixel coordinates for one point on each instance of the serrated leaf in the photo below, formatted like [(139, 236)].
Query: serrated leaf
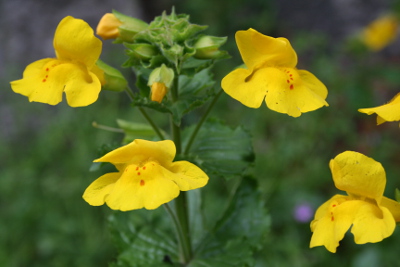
[(220, 149), (143, 239)]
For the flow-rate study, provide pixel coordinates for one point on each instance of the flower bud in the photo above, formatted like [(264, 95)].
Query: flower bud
[(160, 81), (207, 47), (381, 32), (119, 26), (113, 78), (141, 51), (108, 27)]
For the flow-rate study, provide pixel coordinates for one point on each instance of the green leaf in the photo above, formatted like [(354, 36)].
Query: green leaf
[(397, 192), (115, 81), (238, 233), (142, 239), (221, 150)]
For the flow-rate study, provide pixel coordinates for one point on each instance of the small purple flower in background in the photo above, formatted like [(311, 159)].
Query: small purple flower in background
[(303, 212)]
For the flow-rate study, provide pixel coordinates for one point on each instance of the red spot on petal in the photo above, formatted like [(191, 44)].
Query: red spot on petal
[(138, 173), (137, 168), (334, 205), (291, 75), (141, 183), (47, 76), (43, 80), (291, 87), (291, 79), (288, 81), (47, 69), (144, 167), (332, 218)]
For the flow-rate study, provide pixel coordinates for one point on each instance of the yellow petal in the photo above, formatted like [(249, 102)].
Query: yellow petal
[(293, 91), (45, 80), (97, 191), (330, 225), (387, 112), (358, 175), (74, 40), (371, 223), (140, 151), (257, 49), (142, 187), (250, 92), (392, 206), (35, 86), (186, 175)]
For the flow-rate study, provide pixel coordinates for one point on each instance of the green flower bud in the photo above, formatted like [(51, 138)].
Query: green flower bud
[(141, 51), (129, 27), (114, 80), (207, 47)]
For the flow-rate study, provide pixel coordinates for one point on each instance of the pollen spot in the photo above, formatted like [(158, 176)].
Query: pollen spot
[(291, 87), (141, 182)]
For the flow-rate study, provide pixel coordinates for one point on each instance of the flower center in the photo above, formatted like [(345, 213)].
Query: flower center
[(292, 77)]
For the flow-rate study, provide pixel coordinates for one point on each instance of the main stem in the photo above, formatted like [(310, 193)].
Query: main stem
[(181, 205)]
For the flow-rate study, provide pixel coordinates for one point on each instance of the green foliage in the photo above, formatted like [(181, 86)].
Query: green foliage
[(221, 150)]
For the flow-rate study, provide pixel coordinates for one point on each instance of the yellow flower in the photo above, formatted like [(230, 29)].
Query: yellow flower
[(372, 215), (387, 112), (160, 80), (380, 32), (73, 71), (272, 74), (108, 26), (146, 177)]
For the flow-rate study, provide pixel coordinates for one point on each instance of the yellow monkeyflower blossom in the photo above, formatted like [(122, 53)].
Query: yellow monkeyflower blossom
[(146, 177), (371, 216), (381, 32), (387, 112), (73, 71), (272, 74)]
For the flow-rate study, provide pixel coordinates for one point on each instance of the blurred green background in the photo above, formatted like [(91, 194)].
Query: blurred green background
[(46, 151)]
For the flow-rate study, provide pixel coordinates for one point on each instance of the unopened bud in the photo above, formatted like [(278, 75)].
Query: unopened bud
[(207, 47), (160, 81), (158, 91), (108, 27)]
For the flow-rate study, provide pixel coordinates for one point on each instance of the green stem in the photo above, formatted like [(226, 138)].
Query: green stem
[(185, 250), (181, 208), (202, 120), (107, 128), (145, 115)]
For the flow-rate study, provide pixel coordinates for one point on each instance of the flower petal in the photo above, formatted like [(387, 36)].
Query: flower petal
[(358, 174), (371, 223), (387, 112), (74, 40), (140, 151), (330, 225), (186, 175), (97, 191), (293, 96), (392, 206), (141, 188), (250, 92), (257, 49), (34, 83)]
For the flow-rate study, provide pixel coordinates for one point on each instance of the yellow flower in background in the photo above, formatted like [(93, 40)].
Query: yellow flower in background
[(146, 177), (387, 112), (73, 71), (108, 27), (381, 32), (272, 74), (371, 216)]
